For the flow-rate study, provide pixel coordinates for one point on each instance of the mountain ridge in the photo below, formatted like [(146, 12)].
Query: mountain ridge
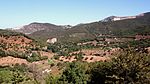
[(110, 18), (117, 18), (123, 27)]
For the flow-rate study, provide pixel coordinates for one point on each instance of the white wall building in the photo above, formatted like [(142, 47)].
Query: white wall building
[(123, 18), (52, 40)]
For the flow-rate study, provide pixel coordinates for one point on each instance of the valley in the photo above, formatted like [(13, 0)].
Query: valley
[(98, 52)]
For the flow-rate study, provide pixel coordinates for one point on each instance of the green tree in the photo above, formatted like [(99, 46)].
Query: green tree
[(131, 67), (99, 72), (75, 74), (2, 53), (50, 79)]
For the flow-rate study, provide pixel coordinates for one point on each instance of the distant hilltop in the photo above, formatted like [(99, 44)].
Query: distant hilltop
[(111, 26), (117, 18)]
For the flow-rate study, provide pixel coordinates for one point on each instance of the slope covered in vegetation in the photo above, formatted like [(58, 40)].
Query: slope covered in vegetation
[(121, 28)]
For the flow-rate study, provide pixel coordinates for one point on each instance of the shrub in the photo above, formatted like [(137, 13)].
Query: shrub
[(79, 56), (11, 77), (50, 79), (63, 48), (34, 57), (132, 67), (56, 57), (2, 53), (128, 67), (43, 58), (75, 73)]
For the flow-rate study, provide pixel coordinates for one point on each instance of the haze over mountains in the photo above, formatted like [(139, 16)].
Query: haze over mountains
[(114, 25)]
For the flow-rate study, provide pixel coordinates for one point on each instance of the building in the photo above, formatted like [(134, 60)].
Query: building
[(51, 40), (123, 18)]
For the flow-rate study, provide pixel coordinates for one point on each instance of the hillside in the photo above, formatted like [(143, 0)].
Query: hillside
[(20, 57), (19, 54), (11, 33), (19, 45), (42, 31), (35, 27), (127, 27), (124, 27)]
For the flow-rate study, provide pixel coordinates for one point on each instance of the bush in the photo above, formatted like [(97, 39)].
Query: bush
[(34, 57), (75, 73), (131, 67), (127, 68), (63, 48), (11, 77), (56, 57), (79, 56), (136, 44), (50, 61), (3, 53), (43, 58), (50, 79)]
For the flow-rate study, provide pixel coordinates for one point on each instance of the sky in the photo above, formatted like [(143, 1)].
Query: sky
[(15, 13)]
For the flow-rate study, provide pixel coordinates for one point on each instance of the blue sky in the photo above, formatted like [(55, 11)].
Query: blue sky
[(62, 12)]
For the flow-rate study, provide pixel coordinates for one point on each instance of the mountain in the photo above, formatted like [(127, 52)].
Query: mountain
[(67, 26), (124, 26), (42, 31), (117, 18), (34, 27)]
